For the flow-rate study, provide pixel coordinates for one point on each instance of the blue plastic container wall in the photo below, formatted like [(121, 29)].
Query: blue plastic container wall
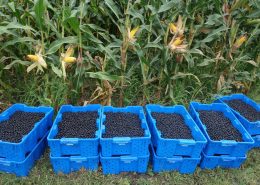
[(176, 163), (84, 147), (222, 147), (256, 138), (67, 165), (165, 147), (116, 165), (252, 127), (18, 151), (211, 162), (136, 146), (23, 168)]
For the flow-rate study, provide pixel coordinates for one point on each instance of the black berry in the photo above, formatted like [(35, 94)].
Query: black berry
[(77, 125), (172, 125), (122, 124), (244, 109), (218, 126), (18, 125)]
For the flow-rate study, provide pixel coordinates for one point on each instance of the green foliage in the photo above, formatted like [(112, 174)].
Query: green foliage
[(212, 62)]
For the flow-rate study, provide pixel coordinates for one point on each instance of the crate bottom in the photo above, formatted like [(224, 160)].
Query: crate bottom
[(178, 163), (116, 165), (211, 162), (23, 168), (70, 164)]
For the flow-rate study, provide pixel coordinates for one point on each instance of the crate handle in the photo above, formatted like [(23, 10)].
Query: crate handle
[(5, 163), (174, 160), (228, 158), (256, 137), (78, 159), (69, 141), (121, 140), (127, 159), (186, 142), (228, 143)]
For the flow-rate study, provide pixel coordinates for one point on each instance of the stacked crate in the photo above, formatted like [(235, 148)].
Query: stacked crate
[(221, 153), (124, 154), (18, 158), (178, 154), (74, 153), (252, 126)]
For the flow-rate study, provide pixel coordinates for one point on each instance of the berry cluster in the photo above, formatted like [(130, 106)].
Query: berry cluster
[(18, 125), (244, 109), (172, 126), (77, 125), (122, 124), (218, 126)]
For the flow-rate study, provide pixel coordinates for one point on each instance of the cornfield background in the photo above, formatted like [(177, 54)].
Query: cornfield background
[(127, 52), (55, 52)]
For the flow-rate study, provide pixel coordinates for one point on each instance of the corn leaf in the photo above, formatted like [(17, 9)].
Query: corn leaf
[(55, 46), (111, 4), (184, 75), (39, 9), (103, 76), (215, 33), (168, 5)]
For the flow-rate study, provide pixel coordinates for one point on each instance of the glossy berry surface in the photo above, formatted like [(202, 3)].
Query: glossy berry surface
[(77, 125), (244, 109), (219, 127), (122, 124), (172, 126), (18, 125)]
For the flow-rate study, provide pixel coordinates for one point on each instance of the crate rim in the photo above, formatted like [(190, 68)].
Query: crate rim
[(143, 120), (49, 110), (222, 141), (175, 139), (239, 96), (222, 156), (59, 116)]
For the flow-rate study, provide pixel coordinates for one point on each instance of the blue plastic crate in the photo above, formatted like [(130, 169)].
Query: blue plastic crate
[(67, 165), (222, 147), (84, 147), (256, 138), (252, 127), (19, 151), (23, 168), (172, 147), (176, 163), (211, 162), (116, 165), (135, 146)]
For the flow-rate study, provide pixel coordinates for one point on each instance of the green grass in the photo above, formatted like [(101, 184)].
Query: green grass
[(42, 173)]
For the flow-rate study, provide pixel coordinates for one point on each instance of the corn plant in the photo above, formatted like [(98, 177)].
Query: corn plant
[(99, 51)]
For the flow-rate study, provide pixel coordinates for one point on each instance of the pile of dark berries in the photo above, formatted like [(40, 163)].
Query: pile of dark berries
[(18, 125), (218, 126), (244, 109), (77, 125), (172, 126), (122, 124)]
